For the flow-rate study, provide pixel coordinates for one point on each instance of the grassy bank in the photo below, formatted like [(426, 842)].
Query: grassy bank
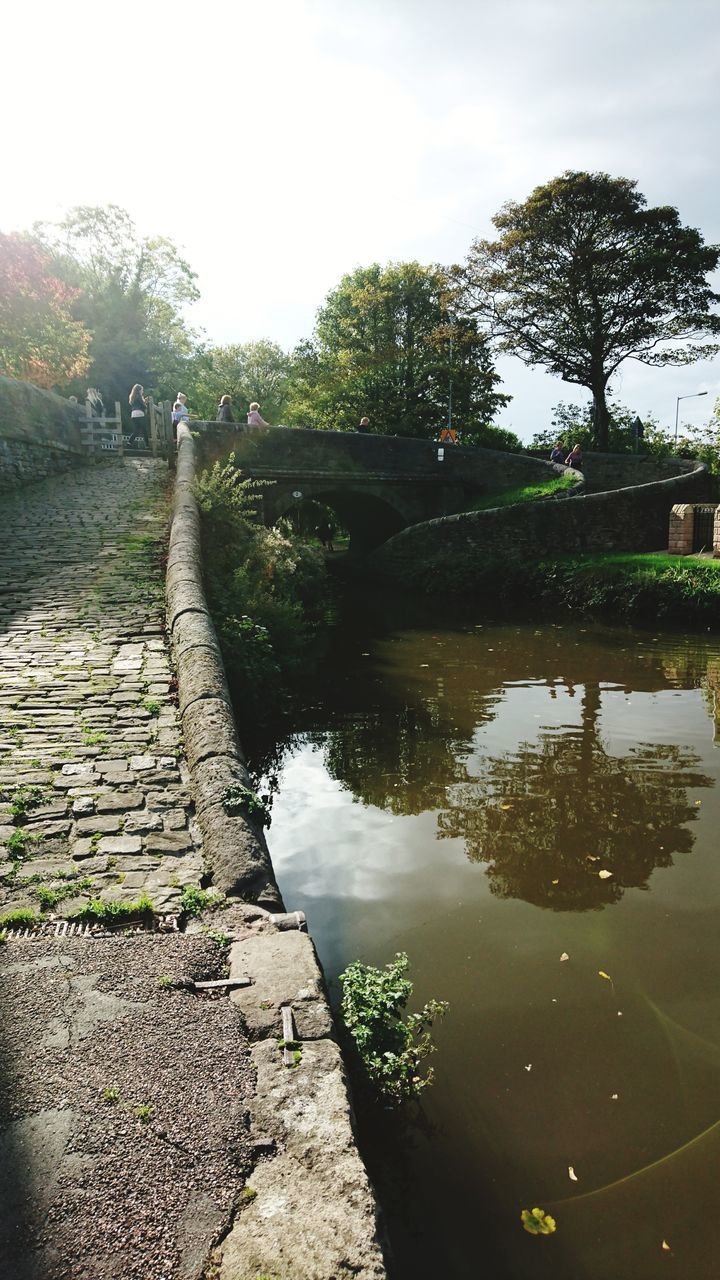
[(642, 588), (524, 493)]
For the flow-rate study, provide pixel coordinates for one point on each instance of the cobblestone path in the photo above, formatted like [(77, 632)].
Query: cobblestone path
[(93, 796)]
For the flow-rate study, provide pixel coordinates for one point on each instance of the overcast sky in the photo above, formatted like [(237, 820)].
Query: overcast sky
[(282, 143)]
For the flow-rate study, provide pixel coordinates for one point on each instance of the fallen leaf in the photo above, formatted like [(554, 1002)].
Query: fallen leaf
[(619, 1013), (603, 974), (572, 1174), (506, 806), (666, 1246), (592, 857), (564, 956), (529, 1066), (604, 875), (555, 881), (537, 1222), (698, 803)]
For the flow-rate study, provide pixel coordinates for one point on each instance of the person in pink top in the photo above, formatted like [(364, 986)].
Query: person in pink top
[(254, 419)]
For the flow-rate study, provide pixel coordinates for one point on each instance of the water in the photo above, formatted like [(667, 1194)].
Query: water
[(455, 791)]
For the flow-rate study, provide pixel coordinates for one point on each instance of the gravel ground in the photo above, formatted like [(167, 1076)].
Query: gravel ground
[(123, 1124)]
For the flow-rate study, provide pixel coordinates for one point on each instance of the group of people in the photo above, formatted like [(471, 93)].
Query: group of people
[(560, 455), (254, 417)]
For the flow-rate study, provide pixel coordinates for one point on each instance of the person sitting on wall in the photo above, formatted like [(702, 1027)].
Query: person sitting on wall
[(558, 453), (364, 426), (575, 458), (179, 414), (224, 413), (254, 418)]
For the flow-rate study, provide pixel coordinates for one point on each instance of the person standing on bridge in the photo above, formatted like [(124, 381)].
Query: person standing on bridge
[(254, 419), (138, 422), (224, 413), (364, 426)]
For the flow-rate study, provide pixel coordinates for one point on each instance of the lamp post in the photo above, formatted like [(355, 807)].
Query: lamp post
[(693, 396)]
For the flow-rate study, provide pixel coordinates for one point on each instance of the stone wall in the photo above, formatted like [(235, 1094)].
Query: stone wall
[(39, 434), (620, 470), (446, 554)]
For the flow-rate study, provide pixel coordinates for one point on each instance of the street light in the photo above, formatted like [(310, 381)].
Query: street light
[(694, 396)]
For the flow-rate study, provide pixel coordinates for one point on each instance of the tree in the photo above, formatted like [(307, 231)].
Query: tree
[(130, 294), (584, 276), (573, 423), (39, 339), (387, 343), (246, 372)]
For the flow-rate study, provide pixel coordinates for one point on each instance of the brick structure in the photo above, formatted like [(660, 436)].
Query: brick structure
[(682, 525)]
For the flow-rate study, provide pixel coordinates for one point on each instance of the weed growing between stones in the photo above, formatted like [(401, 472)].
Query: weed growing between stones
[(389, 1045), (194, 901), (239, 799), (22, 917), (24, 799), (113, 913)]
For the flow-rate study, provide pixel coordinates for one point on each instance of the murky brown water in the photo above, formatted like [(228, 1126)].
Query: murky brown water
[(455, 792)]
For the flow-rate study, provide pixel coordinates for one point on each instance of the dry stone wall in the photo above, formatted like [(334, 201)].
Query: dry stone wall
[(39, 434)]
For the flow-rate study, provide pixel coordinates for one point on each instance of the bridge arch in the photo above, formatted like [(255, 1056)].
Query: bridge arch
[(369, 517)]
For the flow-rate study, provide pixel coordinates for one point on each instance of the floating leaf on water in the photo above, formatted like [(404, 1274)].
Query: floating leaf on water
[(572, 1174), (537, 1222), (619, 1013), (614, 1097), (529, 1066), (592, 857), (424, 664), (698, 803), (604, 875), (603, 974), (665, 1246), (564, 956), (556, 882)]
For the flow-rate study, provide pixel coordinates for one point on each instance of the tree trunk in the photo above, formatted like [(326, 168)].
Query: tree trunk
[(601, 417)]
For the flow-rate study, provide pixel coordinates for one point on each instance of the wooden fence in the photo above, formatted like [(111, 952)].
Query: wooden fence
[(105, 434)]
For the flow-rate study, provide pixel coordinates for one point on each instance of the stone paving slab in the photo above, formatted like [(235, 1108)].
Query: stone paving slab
[(91, 756)]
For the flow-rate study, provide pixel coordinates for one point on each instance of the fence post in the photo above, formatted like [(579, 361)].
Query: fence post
[(120, 441), (90, 427), (153, 426)]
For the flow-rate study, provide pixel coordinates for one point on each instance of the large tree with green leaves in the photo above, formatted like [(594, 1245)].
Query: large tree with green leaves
[(245, 371), (584, 276), (40, 340), (131, 292), (387, 343)]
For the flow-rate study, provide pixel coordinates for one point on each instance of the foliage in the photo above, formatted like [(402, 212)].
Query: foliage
[(193, 901), (559, 486), (22, 917), (267, 589), (537, 1222), (130, 292), (584, 276), (98, 912), (23, 799), (387, 342), (40, 340), (390, 1047), (239, 799), (247, 372)]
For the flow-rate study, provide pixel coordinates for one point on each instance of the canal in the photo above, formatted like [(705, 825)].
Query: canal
[(531, 812)]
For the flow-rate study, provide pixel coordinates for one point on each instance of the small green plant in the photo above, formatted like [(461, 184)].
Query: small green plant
[(248, 1194), (92, 738), (220, 939), (21, 917), (266, 1004), (144, 1112), (23, 799), (49, 898), (18, 845), (239, 799), (165, 981), (111, 1094), (194, 901), (390, 1046), (98, 912), (152, 705)]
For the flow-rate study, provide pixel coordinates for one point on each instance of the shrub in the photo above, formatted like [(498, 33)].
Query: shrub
[(390, 1047)]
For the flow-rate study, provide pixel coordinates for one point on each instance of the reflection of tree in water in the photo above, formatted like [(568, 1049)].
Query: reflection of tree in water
[(572, 811)]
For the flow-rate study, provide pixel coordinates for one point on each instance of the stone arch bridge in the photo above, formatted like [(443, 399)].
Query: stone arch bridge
[(376, 485)]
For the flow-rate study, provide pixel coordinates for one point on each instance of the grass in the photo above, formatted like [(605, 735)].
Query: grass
[(194, 901), (523, 493), (97, 912), (23, 916)]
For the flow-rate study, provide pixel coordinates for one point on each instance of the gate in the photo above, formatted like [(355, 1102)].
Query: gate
[(703, 528)]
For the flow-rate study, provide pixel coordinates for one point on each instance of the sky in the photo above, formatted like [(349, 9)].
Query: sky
[(281, 143)]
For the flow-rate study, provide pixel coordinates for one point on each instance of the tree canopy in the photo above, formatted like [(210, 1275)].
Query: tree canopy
[(584, 276), (40, 340), (245, 371), (387, 342), (130, 292)]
